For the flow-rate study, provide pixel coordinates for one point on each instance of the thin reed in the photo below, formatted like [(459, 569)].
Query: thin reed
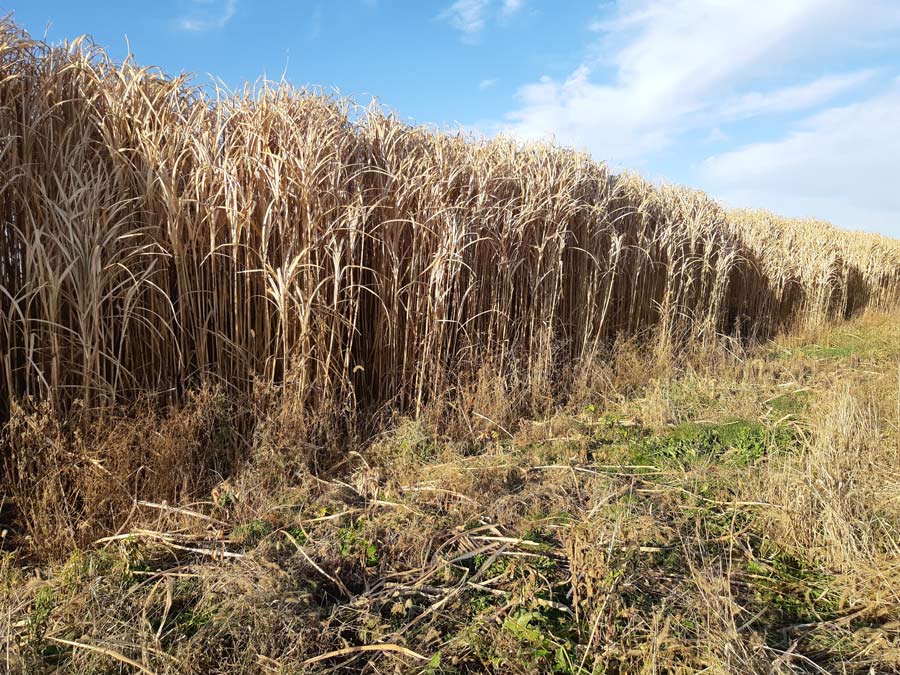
[(155, 236)]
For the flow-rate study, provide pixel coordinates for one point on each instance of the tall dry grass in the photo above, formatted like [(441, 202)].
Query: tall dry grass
[(818, 272), (154, 236)]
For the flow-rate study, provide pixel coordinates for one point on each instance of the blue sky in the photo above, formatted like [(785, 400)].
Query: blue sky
[(792, 105)]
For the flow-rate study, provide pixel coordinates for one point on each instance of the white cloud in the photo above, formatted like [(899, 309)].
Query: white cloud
[(841, 163), (511, 7), (716, 135), (797, 97), (487, 84), (674, 62), (467, 16), (605, 120), (470, 17), (206, 15)]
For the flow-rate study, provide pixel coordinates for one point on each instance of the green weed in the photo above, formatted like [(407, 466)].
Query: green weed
[(739, 443), (250, 534), (543, 637), (354, 543), (791, 589), (791, 403)]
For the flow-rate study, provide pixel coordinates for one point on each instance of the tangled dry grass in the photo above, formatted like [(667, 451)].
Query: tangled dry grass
[(734, 512)]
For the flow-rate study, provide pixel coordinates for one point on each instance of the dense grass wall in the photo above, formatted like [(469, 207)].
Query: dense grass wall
[(154, 236)]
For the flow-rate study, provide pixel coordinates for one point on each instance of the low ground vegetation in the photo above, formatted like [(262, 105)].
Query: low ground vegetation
[(730, 511)]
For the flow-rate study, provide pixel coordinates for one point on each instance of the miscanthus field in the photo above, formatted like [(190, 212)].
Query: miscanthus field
[(290, 386)]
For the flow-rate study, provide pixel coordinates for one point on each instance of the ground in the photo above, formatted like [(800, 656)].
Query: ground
[(734, 510)]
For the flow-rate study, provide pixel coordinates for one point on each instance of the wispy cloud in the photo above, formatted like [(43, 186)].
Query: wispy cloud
[(487, 84), (511, 7), (470, 17), (681, 65), (797, 97), (206, 15), (715, 135), (841, 163), (315, 22), (467, 16)]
